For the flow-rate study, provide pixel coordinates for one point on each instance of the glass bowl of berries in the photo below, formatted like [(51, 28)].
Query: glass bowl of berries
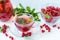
[(51, 12)]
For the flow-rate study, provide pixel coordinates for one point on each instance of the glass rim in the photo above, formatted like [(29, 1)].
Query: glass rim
[(28, 23)]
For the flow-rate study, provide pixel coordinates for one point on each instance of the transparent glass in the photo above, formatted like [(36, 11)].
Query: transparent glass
[(6, 10), (22, 28), (54, 18)]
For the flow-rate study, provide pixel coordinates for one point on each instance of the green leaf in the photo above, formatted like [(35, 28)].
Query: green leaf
[(32, 11), (34, 14), (21, 6), (47, 16), (1, 29), (16, 9), (28, 9), (38, 19), (22, 9)]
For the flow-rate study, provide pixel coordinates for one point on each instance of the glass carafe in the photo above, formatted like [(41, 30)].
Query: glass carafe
[(6, 10)]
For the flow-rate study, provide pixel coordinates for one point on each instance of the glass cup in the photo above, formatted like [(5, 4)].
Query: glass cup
[(23, 24), (26, 24)]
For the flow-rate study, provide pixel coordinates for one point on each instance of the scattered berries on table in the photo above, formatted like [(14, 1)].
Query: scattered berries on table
[(42, 31), (3, 29), (11, 37), (54, 25), (26, 34), (58, 27), (46, 27)]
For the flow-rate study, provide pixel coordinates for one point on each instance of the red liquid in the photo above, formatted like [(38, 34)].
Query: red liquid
[(6, 10), (24, 27)]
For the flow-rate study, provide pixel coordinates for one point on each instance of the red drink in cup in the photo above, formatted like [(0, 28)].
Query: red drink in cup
[(24, 22)]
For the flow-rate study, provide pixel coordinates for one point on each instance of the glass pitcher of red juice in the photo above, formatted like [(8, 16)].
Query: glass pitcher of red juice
[(6, 10)]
